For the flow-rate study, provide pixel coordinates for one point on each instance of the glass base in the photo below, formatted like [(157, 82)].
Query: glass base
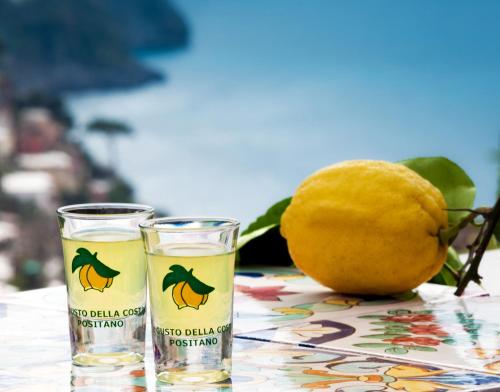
[(107, 359), (189, 377)]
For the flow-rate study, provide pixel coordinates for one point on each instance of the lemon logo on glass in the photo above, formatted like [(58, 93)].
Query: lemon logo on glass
[(188, 291), (93, 273)]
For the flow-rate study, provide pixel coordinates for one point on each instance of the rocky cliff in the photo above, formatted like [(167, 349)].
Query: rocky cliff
[(55, 46)]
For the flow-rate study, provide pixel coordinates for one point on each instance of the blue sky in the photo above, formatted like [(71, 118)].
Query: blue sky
[(272, 90)]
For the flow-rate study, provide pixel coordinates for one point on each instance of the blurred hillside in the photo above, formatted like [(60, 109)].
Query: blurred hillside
[(47, 48), (41, 168), (57, 46)]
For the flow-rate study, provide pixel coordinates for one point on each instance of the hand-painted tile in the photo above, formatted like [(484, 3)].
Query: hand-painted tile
[(35, 354), (260, 366), (264, 301), (290, 277), (321, 333), (464, 333)]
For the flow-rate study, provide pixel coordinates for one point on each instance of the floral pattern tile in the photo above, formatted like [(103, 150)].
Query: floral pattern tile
[(464, 333), (280, 297), (294, 335), (261, 367)]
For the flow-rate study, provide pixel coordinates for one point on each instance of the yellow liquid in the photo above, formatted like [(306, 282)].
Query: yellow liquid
[(120, 250), (213, 266)]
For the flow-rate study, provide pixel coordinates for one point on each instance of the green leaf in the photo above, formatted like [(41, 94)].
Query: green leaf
[(449, 341), (197, 285), (448, 274), (85, 257), (168, 280), (391, 324), (179, 271), (396, 350), (456, 186), (104, 270), (445, 278), (82, 258), (421, 348), (178, 274), (262, 243), (399, 312), (493, 244), (402, 331), (271, 217), (393, 329), (453, 260), (245, 238)]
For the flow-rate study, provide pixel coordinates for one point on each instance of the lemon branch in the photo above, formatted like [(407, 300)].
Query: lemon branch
[(470, 270), (447, 236)]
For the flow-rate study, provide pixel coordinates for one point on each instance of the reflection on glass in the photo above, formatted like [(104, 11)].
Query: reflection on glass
[(222, 386), (112, 378)]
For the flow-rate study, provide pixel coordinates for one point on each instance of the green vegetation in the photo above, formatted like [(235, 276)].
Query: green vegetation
[(110, 128), (80, 180), (54, 47), (52, 103), (57, 46), (121, 191)]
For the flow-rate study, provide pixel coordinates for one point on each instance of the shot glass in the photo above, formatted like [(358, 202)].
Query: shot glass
[(190, 274), (105, 269)]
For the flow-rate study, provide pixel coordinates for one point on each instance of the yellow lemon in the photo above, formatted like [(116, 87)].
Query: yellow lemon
[(366, 227), (90, 279), (93, 273), (183, 295)]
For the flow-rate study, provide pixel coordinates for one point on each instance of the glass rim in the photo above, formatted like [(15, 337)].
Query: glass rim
[(154, 224), (76, 211)]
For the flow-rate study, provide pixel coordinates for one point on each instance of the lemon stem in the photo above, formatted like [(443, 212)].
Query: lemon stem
[(447, 236), (470, 270)]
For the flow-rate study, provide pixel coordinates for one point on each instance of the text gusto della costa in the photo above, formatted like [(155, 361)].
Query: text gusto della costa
[(192, 331)]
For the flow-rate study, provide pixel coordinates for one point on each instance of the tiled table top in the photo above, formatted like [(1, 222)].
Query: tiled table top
[(290, 335)]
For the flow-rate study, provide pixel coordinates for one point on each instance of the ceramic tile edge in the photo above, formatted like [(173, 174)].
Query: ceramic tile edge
[(371, 354)]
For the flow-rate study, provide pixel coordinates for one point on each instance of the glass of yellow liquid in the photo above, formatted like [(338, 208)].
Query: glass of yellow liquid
[(105, 269), (190, 274)]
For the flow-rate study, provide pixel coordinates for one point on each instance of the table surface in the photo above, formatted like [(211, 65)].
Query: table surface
[(291, 334)]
